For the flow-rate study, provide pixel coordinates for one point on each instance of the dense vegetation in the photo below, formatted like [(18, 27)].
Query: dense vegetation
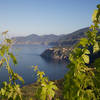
[(82, 82)]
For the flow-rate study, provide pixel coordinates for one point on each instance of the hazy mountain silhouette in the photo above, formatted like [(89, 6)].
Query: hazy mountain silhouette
[(57, 40)]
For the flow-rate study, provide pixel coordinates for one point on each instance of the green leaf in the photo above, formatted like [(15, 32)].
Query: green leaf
[(84, 41), (13, 58), (2, 91), (97, 64), (19, 77), (94, 16), (4, 49), (86, 58), (98, 6), (35, 68), (10, 95), (40, 74), (86, 51), (96, 47)]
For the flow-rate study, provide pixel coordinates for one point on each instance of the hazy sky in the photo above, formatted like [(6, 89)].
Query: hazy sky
[(24, 17)]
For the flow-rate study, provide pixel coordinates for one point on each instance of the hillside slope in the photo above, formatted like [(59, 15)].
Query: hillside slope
[(36, 39), (71, 39), (64, 46)]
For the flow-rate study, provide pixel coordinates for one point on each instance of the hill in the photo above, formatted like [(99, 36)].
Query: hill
[(36, 39), (64, 45), (55, 40), (71, 38)]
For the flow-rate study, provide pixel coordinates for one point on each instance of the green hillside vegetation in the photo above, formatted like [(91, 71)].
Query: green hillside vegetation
[(81, 82)]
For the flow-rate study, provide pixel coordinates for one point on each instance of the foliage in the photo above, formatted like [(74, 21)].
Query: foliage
[(46, 90), (10, 90), (82, 82)]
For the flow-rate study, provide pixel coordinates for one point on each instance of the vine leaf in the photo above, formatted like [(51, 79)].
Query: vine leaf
[(94, 16), (86, 57), (83, 42), (20, 78), (13, 58), (96, 47)]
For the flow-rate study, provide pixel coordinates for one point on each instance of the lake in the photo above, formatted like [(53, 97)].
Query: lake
[(28, 55)]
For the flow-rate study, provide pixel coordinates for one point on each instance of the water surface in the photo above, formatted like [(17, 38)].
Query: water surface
[(28, 55)]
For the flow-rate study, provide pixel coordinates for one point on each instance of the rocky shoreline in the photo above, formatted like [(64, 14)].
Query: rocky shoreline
[(57, 53)]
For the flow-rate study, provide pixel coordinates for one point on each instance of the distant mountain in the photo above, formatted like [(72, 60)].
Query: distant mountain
[(36, 39), (71, 39), (64, 45), (56, 40)]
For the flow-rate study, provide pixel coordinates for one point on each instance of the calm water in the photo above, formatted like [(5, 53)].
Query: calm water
[(28, 55)]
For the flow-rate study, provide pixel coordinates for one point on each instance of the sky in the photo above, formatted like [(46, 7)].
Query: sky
[(25, 17)]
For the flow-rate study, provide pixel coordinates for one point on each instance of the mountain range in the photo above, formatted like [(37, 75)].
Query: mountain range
[(36, 39), (56, 40), (62, 44)]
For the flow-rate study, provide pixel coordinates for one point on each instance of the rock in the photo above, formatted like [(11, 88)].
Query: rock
[(58, 53)]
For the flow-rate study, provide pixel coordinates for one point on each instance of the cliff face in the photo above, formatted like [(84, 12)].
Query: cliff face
[(58, 53)]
